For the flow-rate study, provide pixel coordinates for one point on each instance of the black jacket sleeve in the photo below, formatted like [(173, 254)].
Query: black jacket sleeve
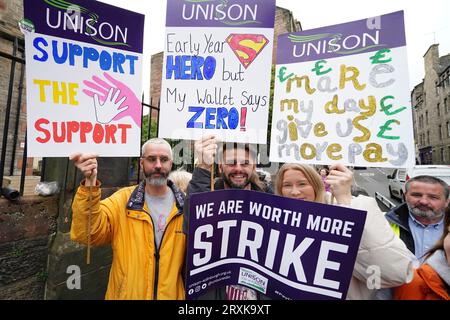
[(200, 182)]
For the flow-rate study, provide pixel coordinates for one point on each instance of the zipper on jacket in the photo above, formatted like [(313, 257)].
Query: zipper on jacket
[(157, 256), (155, 289)]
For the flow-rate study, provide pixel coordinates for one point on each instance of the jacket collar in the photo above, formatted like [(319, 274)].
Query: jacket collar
[(399, 216), (137, 198)]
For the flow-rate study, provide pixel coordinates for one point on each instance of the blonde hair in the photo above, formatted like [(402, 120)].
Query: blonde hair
[(311, 175), (181, 179)]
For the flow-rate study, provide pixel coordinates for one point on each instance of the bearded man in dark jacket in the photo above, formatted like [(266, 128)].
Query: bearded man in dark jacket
[(237, 168)]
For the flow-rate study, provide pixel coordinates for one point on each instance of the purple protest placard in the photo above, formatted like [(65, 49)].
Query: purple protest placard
[(87, 21), (84, 78), (282, 248), (219, 13), (366, 35), (341, 95), (217, 69)]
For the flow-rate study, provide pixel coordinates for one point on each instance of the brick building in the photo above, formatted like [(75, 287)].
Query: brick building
[(431, 109)]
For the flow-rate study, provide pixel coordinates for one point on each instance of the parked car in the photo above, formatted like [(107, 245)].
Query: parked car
[(399, 176)]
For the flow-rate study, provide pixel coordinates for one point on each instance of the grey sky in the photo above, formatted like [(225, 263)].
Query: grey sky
[(426, 22)]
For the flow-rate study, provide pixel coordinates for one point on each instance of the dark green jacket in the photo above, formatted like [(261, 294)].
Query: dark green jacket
[(398, 219)]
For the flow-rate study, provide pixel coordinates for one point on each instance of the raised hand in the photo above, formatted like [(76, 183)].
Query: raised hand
[(340, 180), (205, 150), (87, 164), (102, 88), (105, 112)]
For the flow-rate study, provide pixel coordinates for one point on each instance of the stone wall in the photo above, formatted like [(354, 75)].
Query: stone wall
[(284, 22), (26, 229), (11, 11), (156, 74), (64, 253)]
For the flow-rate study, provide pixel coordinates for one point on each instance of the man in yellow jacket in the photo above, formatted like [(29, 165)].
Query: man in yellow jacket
[(143, 224)]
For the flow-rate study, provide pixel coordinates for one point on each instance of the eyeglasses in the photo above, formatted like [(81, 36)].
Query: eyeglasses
[(153, 159), (234, 163)]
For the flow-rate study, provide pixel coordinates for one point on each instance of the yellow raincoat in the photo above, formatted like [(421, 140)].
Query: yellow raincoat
[(139, 270)]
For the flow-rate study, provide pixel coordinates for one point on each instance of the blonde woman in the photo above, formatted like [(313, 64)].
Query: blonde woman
[(181, 179), (378, 247)]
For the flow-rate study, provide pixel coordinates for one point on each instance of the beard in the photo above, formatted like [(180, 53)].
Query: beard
[(426, 212), (158, 181), (233, 185)]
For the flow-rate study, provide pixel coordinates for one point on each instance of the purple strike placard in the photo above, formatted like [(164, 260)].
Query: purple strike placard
[(87, 21), (282, 248)]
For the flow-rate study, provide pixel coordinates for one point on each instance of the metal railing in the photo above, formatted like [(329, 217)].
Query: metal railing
[(17, 57)]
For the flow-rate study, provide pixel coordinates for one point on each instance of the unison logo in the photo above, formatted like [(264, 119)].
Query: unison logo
[(83, 21), (252, 279), (220, 10), (334, 43)]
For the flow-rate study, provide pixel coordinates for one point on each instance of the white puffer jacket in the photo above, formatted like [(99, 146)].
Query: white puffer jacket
[(380, 252)]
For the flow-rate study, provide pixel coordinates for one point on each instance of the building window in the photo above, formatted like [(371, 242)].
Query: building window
[(438, 110), (426, 117), (440, 132), (442, 156), (445, 105), (428, 137), (448, 129)]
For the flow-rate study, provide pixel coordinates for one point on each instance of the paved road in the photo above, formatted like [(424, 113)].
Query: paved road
[(374, 180)]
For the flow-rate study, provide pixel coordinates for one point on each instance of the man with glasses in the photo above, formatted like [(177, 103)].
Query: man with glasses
[(142, 223), (237, 169)]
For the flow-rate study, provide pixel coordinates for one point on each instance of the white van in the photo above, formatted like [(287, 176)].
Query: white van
[(399, 176)]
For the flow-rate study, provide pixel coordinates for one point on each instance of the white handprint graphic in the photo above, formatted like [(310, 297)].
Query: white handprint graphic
[(102, 88), (110, 108)]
